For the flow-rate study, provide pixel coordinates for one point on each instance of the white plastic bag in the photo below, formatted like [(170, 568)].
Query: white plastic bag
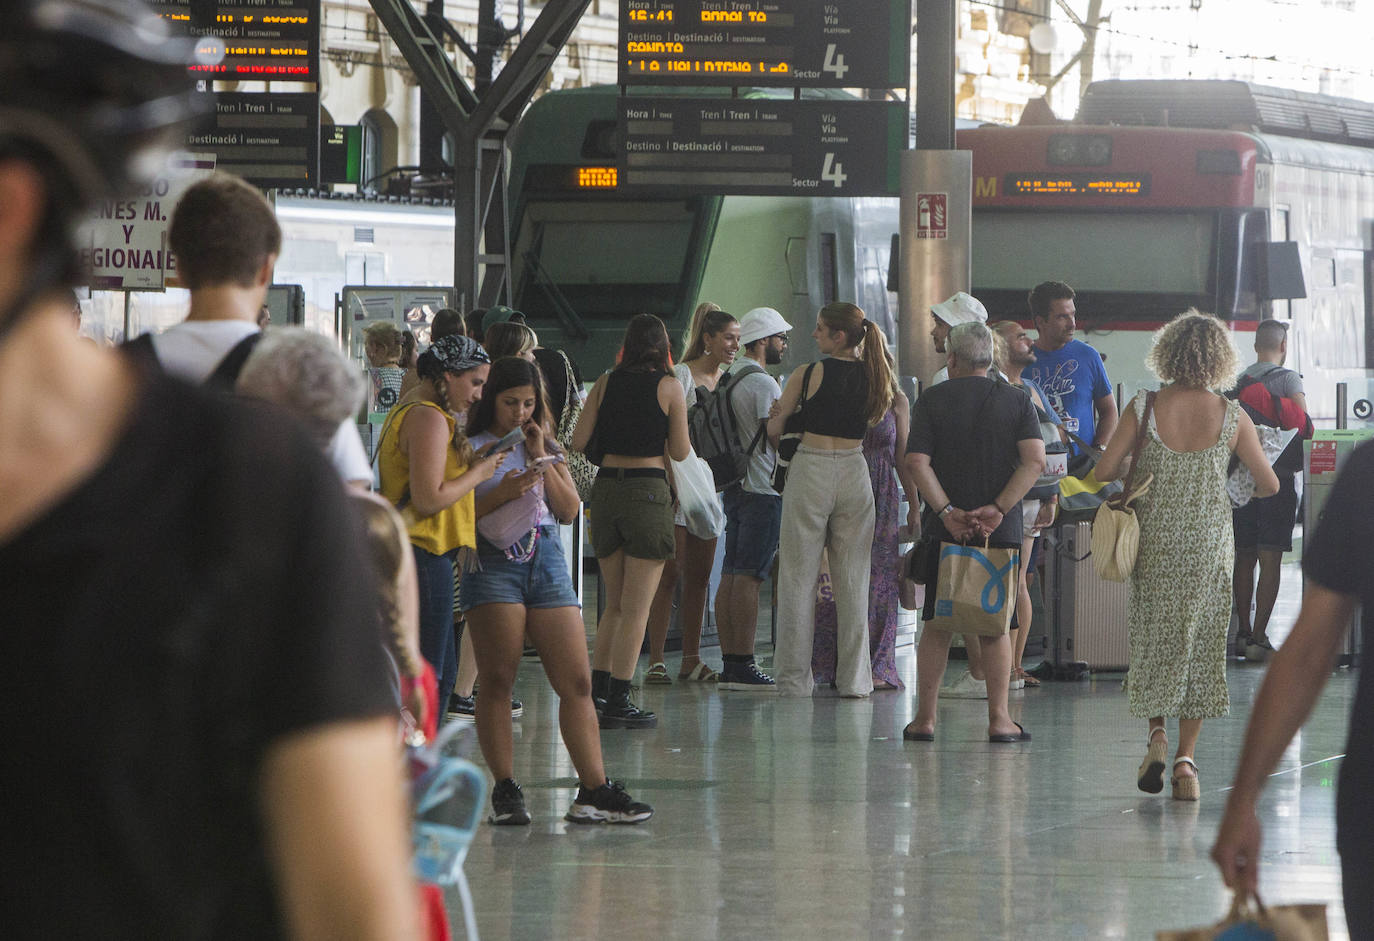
[(1240, 486), (696, 495)]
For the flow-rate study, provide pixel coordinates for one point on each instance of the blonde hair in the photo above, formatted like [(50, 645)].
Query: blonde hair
[(386, 335), (1195, 350), (692, 335), (860, 331), (707, 325)]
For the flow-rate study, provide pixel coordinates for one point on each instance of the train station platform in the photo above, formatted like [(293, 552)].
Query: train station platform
[(784, 818)]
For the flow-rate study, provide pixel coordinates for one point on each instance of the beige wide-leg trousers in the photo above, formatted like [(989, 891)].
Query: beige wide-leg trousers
[(827, 504)]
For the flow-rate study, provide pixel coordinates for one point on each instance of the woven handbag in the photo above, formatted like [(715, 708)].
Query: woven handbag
[(1116, 530)]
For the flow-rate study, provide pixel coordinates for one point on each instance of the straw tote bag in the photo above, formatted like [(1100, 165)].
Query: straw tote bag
[(1116, 530)]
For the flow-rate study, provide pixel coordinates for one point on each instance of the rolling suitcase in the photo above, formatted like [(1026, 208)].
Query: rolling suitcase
[(1088, 613)]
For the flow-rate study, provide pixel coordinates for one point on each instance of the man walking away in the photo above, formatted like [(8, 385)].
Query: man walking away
[(1070, 371), (1264, 526), (753, 509)]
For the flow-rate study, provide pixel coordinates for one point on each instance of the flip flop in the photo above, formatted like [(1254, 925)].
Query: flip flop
[(911, 736), (1010, 738)]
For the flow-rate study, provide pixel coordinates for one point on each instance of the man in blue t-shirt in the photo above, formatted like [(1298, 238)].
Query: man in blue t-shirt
[(1070, 371)]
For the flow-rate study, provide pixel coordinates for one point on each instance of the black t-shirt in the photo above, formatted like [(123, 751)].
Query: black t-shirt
[(970, 427), (1338, 558), (203, 594)]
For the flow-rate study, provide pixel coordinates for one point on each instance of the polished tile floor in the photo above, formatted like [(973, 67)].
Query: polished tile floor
[(812, 819)]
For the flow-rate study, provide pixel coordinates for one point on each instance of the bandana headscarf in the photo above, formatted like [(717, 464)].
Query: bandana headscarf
[(456, 354)]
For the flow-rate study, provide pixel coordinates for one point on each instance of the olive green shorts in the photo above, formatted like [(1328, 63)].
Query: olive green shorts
[(633, 514)]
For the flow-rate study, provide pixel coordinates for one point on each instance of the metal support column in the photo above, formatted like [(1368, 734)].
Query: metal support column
[(936, 26)]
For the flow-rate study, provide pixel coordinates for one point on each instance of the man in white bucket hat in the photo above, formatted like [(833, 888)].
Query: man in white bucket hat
[(949, 313), (753, 509)]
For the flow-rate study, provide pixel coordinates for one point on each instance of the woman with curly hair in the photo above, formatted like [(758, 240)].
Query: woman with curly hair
[(429, 471), (1180, 605)]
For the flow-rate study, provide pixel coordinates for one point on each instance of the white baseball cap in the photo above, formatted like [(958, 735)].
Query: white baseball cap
[(961, 308), (759, 323)]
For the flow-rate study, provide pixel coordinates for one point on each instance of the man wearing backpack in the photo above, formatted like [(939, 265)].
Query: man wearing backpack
[(753, 509), (226, 239), (1264, 527)]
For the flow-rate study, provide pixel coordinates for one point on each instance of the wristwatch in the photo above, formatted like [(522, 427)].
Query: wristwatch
[(949, 508)]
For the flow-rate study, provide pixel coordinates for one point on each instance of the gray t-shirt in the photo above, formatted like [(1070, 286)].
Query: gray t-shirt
[(751, 398), (1277, 379)]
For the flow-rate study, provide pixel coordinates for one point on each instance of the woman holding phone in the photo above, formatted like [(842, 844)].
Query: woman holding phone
[(521, 588), (428, 471)]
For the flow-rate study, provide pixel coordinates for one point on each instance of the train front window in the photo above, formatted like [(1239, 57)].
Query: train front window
[(608, 259), (1136, 253)]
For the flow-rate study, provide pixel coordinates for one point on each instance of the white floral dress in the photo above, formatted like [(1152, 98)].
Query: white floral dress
[(1180, 605)]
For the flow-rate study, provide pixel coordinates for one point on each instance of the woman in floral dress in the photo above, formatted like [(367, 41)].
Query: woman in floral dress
[(884, 446), (1180, 604)]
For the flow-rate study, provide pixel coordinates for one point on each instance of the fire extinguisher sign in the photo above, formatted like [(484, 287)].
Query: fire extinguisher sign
[(932, 217)]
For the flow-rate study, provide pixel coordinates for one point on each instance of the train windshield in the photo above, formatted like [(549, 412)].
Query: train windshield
[(605, 259), (1135, 253)]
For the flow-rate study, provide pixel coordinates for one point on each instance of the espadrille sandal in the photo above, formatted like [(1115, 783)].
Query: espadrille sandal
[(1150, 776), (1189, 788)]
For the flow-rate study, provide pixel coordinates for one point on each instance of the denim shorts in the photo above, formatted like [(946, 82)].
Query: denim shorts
[(542, 582), (632, 510), (752, 524), (1267, 522)]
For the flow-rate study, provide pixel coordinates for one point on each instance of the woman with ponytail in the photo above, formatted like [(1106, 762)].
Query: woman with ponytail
[(428, 472), (828, 502)]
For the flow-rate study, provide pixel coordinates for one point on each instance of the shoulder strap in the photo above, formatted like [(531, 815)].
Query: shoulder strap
[(227, 372), (1127, 492)]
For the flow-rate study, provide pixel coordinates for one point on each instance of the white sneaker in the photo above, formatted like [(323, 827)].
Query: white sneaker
[(965, 687)]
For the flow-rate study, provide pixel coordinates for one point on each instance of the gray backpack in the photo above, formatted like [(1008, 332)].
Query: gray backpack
[(714, 430)]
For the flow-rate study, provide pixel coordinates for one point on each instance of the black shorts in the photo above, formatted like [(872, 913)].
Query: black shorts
[(1268, 523)]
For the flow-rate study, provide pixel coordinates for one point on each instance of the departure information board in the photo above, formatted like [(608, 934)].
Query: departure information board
[(760, 146), (250, 40), (803, 43), (1077, 184), (271, 140)]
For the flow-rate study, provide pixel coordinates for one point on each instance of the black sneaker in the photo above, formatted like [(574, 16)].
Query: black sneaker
[(508, 805), (462, 708), (607, 804), (746, 677), (620, 713)]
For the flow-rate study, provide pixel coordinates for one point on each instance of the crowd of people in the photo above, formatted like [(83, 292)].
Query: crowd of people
[(283, 624)]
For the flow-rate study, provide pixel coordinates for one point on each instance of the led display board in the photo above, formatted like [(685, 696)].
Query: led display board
[(804, 43), (1077, 184), (341, 153), (757, 146), (250, 40)]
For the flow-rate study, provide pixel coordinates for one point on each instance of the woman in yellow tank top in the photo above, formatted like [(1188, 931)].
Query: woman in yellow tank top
[(428, 471)]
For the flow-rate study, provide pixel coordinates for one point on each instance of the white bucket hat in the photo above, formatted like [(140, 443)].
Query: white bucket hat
[(759, 323), (961, 308)]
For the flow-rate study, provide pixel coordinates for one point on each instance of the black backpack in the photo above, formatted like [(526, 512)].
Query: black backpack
[(714, 430), (225, 373)]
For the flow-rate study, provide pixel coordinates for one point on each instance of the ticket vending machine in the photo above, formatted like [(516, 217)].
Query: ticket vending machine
[(1323, 457)]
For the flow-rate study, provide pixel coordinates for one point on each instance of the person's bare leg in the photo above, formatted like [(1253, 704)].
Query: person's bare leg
[(467, 667), (640, 579), (744, 613), (558, 635), (698, 556), (1024, 610), (997, 662), (608, 626), (661, 609), (1266, 592), (932, 656), (1188, 731), (1243, 586), (499, 639), (976, 667)]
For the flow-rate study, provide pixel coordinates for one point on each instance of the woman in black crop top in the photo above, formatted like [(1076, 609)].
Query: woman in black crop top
[(636, 413), (828, 503)]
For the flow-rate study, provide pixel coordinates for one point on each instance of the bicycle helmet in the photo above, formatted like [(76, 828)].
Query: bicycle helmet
[(93, 93)]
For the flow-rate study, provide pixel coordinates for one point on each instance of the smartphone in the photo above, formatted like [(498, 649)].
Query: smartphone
[(544, 461), (511, 439)]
